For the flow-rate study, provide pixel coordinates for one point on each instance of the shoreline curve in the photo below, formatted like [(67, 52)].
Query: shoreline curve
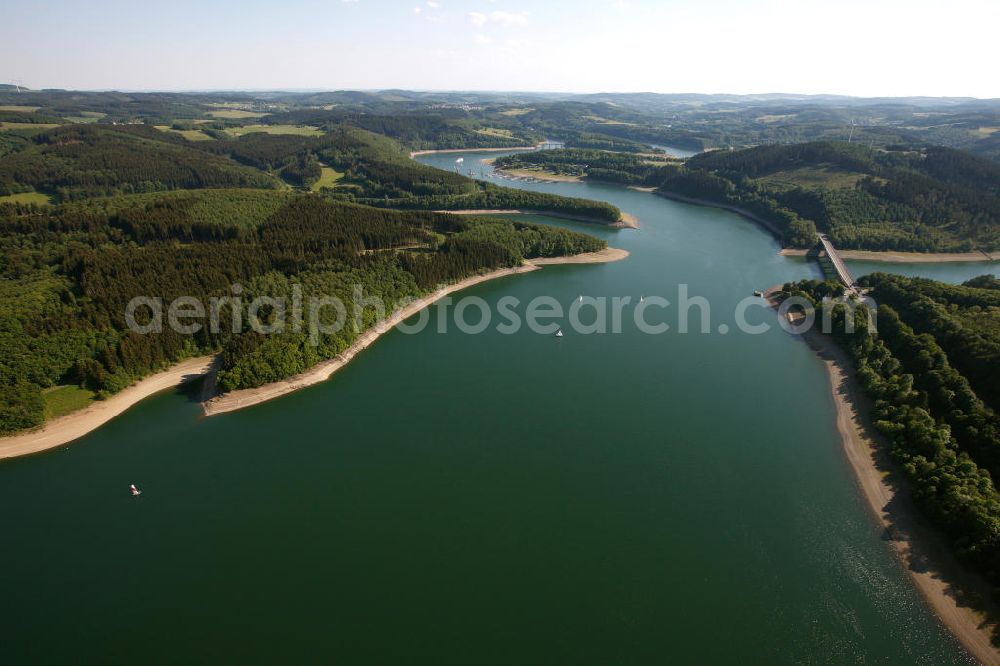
[(540, 176), (960, 599), (70, 427), (769, 226), (243, 398), (626, 221), (66, 429)]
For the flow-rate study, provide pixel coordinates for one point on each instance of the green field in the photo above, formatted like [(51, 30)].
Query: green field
[(607, 121), (513, 113), (86, 117), (61, 400), (328, 178), (300, 130), (18, 107), (237, 114), (812, 177), (22, 126), (494, 131), (773, 117), (190, 135), (27, 198)]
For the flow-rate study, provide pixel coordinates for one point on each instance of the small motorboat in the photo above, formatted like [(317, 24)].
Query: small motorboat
[(135, 491), (758, 293), (559, 333)]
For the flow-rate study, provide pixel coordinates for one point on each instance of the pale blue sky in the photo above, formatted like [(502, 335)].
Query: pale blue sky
[(873, 47)]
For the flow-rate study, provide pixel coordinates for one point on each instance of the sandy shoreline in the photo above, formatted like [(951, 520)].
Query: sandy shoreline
[(605, 256), (905, 257), (627, 220), (960, 599), (229, 402), (67, 428), (540, 176)]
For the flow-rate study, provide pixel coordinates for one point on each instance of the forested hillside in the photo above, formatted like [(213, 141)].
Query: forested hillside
[(107, 196), (376, 172), (76, 161), (68, 272), (887, 190), (172, 193), (625, 168), (926, 200), (422, 130), (930, 371), (73, 162), (963, 319)]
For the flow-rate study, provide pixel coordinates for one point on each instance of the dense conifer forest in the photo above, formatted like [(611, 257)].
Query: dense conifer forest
[(106, 196), (643, 169), (930, 370), (900, 198), (67, 274), (906, 198), (78, 161)]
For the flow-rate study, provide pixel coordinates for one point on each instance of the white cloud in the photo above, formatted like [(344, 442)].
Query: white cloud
[(431, 11), (483, 39), (508, 18), (500, 18)]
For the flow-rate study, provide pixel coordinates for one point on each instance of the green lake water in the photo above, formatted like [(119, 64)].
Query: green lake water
[(485, 499)]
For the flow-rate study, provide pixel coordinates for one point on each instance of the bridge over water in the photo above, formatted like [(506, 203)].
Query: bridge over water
[(838, 264)]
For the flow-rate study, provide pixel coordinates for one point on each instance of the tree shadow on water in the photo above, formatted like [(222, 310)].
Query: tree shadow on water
[(921, 548)]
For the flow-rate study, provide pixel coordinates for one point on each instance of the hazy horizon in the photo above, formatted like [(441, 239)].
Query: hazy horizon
[(489, 91), (888, 48)]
